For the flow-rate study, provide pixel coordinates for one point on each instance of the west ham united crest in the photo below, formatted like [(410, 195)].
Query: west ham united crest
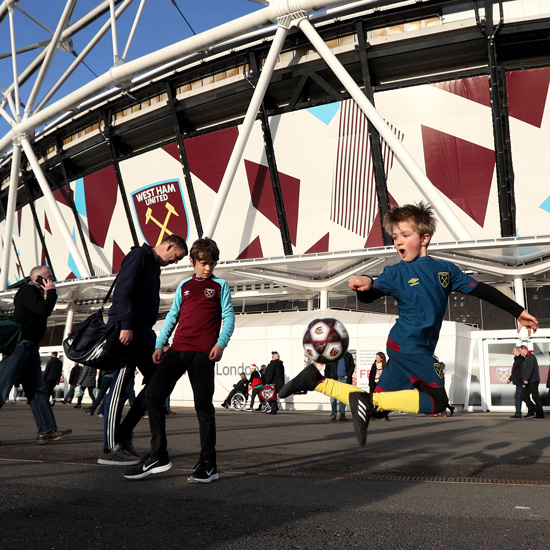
[(503, 374), (443, 278), (438, 367), (161, 212)]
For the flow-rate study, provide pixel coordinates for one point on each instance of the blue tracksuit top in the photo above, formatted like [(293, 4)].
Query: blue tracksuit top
[(421, 289)]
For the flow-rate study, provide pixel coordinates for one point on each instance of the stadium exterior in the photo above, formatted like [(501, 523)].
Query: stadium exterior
[(256, 135)]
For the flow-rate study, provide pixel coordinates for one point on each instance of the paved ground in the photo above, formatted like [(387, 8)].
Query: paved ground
[(295, 481)]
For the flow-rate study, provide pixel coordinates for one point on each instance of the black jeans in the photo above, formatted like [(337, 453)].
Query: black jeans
[(532, 389), (255, 391), (200, 370)]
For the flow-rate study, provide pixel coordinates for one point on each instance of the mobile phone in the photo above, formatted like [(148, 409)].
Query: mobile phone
[(41, 281)]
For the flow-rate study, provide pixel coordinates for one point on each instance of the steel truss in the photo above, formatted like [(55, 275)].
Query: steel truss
[(334, 83)]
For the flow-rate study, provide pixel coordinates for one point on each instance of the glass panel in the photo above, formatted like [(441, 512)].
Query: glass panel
[(500, 367)]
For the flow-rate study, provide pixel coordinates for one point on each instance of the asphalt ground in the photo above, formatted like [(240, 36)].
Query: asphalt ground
[(298, 481)]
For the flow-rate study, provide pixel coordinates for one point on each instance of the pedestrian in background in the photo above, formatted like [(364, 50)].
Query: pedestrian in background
[(52, 375)]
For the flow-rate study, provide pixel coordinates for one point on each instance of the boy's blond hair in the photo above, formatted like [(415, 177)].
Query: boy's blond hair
[(420, 217)]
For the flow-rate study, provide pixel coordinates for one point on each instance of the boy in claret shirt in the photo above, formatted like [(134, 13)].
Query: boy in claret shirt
[(200, 304)]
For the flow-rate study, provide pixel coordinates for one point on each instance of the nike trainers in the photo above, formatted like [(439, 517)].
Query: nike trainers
[(205, 472), (361, 412), (306, 381), (147, 467)]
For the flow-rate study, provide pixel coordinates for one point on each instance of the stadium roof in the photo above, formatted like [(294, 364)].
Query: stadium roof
[(495, 261), (85, 147)]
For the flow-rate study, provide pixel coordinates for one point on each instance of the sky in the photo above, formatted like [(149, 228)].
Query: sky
[(161, 24)]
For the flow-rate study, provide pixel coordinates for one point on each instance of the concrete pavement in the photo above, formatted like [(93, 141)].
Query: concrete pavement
[(291, 481)]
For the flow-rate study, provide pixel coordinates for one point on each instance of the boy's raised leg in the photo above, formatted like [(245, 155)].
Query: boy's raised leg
[(306, 381)]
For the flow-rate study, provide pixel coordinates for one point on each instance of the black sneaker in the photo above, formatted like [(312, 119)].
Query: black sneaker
[(88, 410), (147, 467), (119, 457), (306, 381), (205, 472), (361, 413), (128, 447)]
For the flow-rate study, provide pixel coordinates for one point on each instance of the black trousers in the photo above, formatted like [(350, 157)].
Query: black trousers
[(50, 386), (532, 389), (200, 370)]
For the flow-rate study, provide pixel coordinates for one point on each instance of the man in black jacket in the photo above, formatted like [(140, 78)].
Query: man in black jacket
[(516, 378), (275, 374), (135, 305), (32, 309), (531, 381), (52, 374), (73, 379)]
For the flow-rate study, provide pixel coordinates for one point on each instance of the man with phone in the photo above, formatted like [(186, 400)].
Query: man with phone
[(34, 303)]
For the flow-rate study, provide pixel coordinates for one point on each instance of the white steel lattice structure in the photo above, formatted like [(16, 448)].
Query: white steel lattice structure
[(289, 36)]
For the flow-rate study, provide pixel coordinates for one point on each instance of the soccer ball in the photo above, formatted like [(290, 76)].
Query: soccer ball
[(325, 340)]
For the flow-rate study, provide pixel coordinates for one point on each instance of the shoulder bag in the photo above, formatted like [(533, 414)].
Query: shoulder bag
[(97, 344)]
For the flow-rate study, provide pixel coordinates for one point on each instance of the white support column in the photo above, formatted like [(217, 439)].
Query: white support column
[(50, 53), (54, 208), (6, 116), (68, 323), (132, 31), (10, 214), (17, 102), (323, 299), (446, 214), (519, 291), (125, 72), (116, 60), (245, 130), (67, 363), (81, 56)]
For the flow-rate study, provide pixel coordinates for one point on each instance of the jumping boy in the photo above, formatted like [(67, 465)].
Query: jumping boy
[(412, 380), (200, 304)]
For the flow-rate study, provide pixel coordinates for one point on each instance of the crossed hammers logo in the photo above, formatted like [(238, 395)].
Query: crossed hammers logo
[(163, 226)]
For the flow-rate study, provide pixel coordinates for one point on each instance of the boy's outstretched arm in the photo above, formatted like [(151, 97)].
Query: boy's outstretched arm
[(528, 321), (497, 298), (360, 283)]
